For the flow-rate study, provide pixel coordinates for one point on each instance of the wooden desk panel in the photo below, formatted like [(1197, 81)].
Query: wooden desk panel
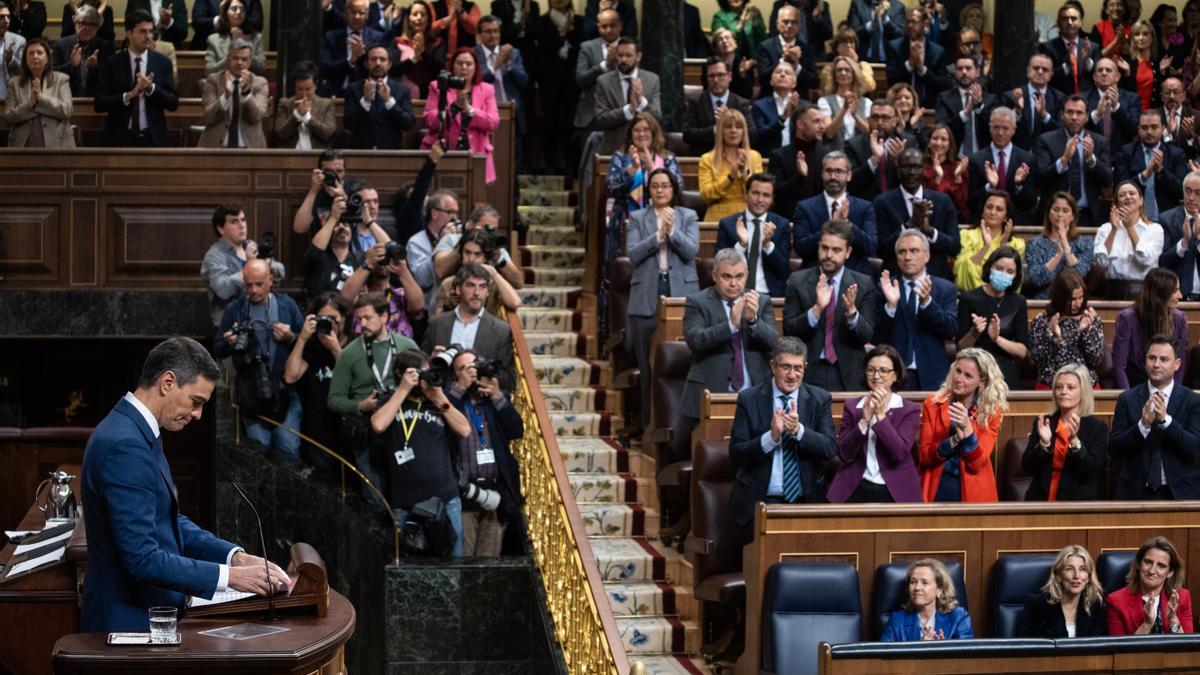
[(1057, 663)]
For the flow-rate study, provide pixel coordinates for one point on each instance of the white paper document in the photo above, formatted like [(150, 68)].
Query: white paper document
[(219, 597)]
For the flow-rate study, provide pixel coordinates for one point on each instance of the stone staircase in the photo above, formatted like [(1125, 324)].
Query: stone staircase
[(648, 585)]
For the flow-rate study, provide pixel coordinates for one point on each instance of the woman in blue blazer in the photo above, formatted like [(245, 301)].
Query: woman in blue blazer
[(932, 611)]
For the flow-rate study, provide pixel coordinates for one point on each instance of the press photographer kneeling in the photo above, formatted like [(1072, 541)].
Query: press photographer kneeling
[(416, 451), (488, 474)]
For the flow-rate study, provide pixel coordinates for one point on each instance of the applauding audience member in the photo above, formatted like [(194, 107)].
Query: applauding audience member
[(1066, 449), (835, 203), (1067, 332), (1059, 247), (344, 52), (1129, 244), (877, 436), (946, 170), (39, 104), (1157, 166), (80, 54), (1154, 601), (959, 425), (1154, 312), (762, 237), (1181, 243), (873, 156), (1073, 159), (234, 101), (1003, 165), (995, 230), (1071, 604), (847, 101), (231, 27), (772, 112), (622, 93), (305, 121), (700, 115), (136, 87), (912, 204), (931, 611), (378, 108), (725, 170), (797, 165), (628, 172), (994, 317)]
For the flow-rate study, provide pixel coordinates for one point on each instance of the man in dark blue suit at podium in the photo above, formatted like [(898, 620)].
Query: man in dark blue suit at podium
[(141, 551)]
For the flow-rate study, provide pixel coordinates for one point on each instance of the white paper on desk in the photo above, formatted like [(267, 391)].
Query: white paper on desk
[(51, 557), (219, 598), (21, 548)]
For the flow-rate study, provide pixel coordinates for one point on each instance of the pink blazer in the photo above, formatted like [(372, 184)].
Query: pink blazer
[(485, 121)]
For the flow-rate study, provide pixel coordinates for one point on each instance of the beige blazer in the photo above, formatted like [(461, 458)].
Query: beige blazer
[(216, 120), (52, 110), (321, 127)]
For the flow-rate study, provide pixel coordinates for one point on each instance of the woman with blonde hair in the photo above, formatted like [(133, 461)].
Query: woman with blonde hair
[(910, 116), (1154, 600), (1055, 611), (1142, 72), (724, 170), (959, 425), (845, 43), (1066, 448), (846, 103), (931, 611)]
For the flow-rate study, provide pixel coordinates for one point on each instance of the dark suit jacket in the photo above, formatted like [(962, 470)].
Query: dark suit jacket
[(949, 112), (1079, 474), (589, 66), (814, 32), (178, 30), (1185, 265), (895, 438), (1040, 619), (752, 419), (928, 85), (203, 12), (335, 68), (848, 342), (1125, 119), (610, 103), (1189, 146), (1062, 79), (790, 186), (769, 53), (493, 341), (776, 265), (1099, 175), (1168, 183), (710, 339), (1029, 124), (378, 128), (116, 78), (905, 626), (515, 80), (1024, 195), (812, 213), (510, 32), (31, 23), (1179, 443), (865, 181), (62, 63), (768, 125), (862, 15), (698, 121), (924, 334), (626, 10), (142, 552), (504, 424), (891, 217), (695, 40)]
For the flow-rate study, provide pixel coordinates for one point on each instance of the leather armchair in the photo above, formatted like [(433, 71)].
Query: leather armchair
[(714, 546), (804, 605), (1014, 482), (624, 366), (1014, 579), (1111, 568)]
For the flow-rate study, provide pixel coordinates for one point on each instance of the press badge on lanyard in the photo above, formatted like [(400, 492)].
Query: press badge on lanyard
[(482, 455), (407, 454)]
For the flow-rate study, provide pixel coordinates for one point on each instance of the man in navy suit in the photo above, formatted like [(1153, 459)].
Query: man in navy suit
[(873, 155), (136, 86), (700, 115), (1156, 432), (142, 552), (345, 49), (1073, 159), (207, 13), (912, 205), (1157, 167), (773, 112), (1074, 56), (917, 60), (781, 437), (984, 171), (1181, 238), (1114, 111), (1036, 104), (762, 237), (877, 23), (378, 109), (966, 107), (920, 314), (815, 27), (785, 47), (835, 203), (504, 69)]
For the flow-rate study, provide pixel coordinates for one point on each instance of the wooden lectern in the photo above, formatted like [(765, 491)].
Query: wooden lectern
[(319, 622)]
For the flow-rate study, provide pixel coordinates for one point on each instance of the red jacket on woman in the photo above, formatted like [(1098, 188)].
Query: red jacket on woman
[(978, 480)]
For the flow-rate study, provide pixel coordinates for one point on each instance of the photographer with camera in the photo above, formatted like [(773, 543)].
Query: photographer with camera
[(447, 257), (441, 219), (489, 479), (421, 427), (329, 262), (479, 247), (326, 185), (362, 373), (359, 208), (257, 331), (471, 326), (385, 271), (309, 368)]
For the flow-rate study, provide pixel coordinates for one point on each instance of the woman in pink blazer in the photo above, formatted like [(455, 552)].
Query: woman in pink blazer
[(476, 104)]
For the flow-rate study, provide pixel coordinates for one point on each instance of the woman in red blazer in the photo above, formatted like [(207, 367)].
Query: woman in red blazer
[(959, 425), (1154, 600), (473, 106)]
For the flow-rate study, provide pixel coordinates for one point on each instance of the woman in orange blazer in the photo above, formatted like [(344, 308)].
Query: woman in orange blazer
[(474, 106), (959, 425)]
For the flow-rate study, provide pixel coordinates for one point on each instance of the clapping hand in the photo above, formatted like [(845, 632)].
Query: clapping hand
[(743, 234), (895, 146), (1070, 149), (993, 328), (993, 176), (1089, 147), (848, 299), (750, 306), (979, 324), (843, 210), (356, 45), (960, 418), (1055, 328), (370, 85), (1089, 317), (890, 288), (960, 170), (1021, 174), (824, 293), (768, 231), (925, 289), (385, 92), (1072, 422), (1045, 434)]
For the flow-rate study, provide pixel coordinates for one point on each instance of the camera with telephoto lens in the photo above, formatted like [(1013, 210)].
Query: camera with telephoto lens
[(353, 213), (243, 355), (394, 251), (446, 81), (249, 361), (330, 178), (486, 368), (441, 368), (324, 326), (266, 246), (482, 492)]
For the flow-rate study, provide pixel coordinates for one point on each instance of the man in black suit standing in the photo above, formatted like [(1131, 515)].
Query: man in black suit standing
[(833, 309), (1181, 238), (378, 109), (1114, 111), (1001, 165), (912, 205), (1073, 54), (785, 46), (700, 115), (763, 238), (730, 331), (171, 22), (797, 165), (1157, 167), (782, 435), (1036, 104), (1156, 432), (136, 86), (877, 24), (344, 51), (1073, 159), (965, 108), (916, 59), (1179, 117), (873, 155)]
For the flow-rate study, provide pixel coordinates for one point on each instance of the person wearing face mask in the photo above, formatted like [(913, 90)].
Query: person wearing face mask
[(1070, 604), (1067, 332), (1153, 601), (1128, 245), (931, 610), (1066, 448), (994, 317), (959, 425)]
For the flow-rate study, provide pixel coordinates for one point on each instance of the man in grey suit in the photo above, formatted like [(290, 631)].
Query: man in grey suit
[(730, 332), (833, 309), (471, 326), (622, 94), (12, 51), (596, 57)]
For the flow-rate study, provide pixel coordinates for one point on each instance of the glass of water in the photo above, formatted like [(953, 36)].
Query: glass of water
[(162, 625)]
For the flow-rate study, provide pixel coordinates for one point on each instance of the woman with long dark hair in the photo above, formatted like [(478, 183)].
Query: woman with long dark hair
[(945, 171), (1128, 245), (1059, 247), (1154, 312), (1067, 332), (420, 52), (994, 317)]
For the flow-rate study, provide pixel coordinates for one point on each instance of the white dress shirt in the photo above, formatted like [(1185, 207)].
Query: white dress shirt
[(464, 332), (626, 80), (775, 485), (737, 329), (1181, 251), (1126, 262), (872, 473), (785, 134), (765, 247), (145, 57), (303, 135), (1145, 430)]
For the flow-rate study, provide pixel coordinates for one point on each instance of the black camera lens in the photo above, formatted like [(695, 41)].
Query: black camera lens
[(324, 325), (394, 251), (330, 178)]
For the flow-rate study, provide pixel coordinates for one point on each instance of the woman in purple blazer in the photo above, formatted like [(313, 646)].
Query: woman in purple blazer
[(1156, 310), (875, 444)]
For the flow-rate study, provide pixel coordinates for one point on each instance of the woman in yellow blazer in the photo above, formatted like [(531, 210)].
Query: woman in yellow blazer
[(724, 170), (39, 104)]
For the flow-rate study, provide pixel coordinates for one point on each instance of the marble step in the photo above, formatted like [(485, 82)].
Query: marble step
[(613, 489), (658, 635), (554, 276), (554, 343), (550, 297), (535, 319), (541, 182), (571, 370), (554, 236), (628, 559), (671, 665), (544, 197), (618, 520), (593, 456), (553, 216), (641, 599), (585, 424), (553, 256)]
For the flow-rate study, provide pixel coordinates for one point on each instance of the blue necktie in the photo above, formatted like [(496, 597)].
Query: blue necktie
[(792, 485)]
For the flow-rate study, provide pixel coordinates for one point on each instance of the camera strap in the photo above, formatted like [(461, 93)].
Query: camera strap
[(380, 377)]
